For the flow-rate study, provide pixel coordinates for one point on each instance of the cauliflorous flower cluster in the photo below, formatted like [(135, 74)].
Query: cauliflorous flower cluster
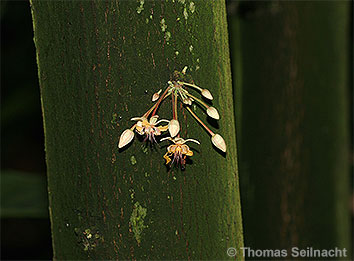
[(150, 126)]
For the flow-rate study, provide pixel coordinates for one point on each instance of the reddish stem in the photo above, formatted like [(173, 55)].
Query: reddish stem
[(200, 121), (173, 108), (159, 101)]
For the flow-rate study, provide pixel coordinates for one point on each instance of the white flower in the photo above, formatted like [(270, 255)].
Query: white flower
[(150, 128), (179, 150)]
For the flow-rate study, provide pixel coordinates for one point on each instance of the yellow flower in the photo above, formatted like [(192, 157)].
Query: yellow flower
[(150, 128), (179, 150)]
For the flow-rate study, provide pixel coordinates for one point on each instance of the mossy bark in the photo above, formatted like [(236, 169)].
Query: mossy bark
[(294, 156), (99, 64)]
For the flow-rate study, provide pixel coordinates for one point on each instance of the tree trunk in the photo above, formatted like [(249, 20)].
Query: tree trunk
[(99, 64), (294, 134)]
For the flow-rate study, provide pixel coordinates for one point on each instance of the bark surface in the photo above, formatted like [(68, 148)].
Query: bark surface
[(99, 64)]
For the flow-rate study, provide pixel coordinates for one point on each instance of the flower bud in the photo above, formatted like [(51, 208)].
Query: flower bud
[(173, 128), (219, 142), (126, 137), (213, 113), (187, 101), (156, 95), (206, 93)]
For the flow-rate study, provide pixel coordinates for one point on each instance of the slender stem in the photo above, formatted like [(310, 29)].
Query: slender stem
[(159, 101), (176, 97), (198, 100), (200, 121), (182, 95), (191, 85), (149, 111), (175, 117), (173, 108)]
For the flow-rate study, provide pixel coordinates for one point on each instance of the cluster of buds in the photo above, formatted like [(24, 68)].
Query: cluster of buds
[(150, 126)]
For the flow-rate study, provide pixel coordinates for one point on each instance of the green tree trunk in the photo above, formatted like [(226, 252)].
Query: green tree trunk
[(294, 78), (99, 64)]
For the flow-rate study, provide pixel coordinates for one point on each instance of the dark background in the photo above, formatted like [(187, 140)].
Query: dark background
[(25, 226)]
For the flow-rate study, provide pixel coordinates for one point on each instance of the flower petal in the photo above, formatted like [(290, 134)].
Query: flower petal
[(166, 138), (192, 140), (137, 119), (153, 119), (163, 128), (162, 120)]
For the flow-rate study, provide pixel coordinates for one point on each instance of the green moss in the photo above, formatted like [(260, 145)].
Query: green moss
[(89, 238), (114, 118), (145, 149), (137, 221), (191, 48), (163, 25), (140, 8), (133, 160), (132, 193), (192, 7), (167, 36), (185, 13)]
